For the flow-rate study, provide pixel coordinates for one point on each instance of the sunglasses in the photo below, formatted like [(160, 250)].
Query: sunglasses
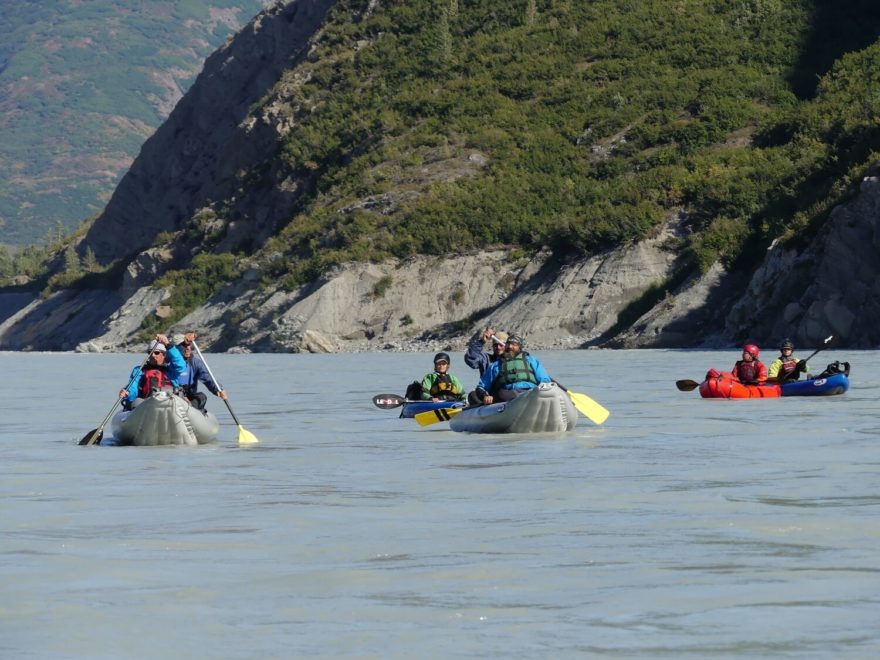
[(439, 362), (157, 353)]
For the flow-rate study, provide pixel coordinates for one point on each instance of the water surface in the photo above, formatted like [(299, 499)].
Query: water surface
[(681, 527)]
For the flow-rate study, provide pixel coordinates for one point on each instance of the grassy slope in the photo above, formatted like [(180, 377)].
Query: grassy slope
[(82, 85), (597, 118)]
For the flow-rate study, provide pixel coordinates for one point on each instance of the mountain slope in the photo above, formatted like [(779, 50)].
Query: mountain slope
[(336, 132), (82, 85)]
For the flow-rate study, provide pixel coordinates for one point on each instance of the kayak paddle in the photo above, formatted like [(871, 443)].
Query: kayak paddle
[(388, 401), (439, 415), (95, 436), (686, 385), (822, 347), (244, 437), (593, 411)]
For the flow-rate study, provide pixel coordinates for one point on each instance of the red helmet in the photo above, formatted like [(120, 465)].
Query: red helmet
[(752, 350)]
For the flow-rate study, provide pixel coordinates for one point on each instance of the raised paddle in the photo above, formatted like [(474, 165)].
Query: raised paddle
[(244, 437), (439, 415), (687, 385), (95, 436), (587, 407), (822, 347)]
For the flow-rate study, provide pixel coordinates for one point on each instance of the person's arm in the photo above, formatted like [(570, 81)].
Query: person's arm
[(201, 373), (427, 384), (476, 357), (176, 364), (132, 392), (486, 380), (540, 373), (773, 373), (761, 368)]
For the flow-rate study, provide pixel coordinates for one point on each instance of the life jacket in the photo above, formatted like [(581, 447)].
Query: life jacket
[(153, 379), (515, 370), (749, 371), (789, 364), (444, 388)]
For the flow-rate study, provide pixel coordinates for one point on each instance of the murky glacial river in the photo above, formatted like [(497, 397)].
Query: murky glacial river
[(681, 527)]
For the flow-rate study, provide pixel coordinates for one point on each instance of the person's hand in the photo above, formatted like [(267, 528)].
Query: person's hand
[(123, 393), (487, 334), (222, 394), (488, 399), (162, 339), (189, 337), (435, 399)]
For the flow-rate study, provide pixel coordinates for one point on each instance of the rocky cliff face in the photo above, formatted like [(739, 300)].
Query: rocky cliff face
[(418, 304), (829, 286), (832, 286), (196, 156)]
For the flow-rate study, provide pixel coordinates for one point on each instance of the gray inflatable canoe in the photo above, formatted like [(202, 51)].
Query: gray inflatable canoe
[(544, 409), (164, 419)]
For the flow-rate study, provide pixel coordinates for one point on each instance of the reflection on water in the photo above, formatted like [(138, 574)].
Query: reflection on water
[(680, 527)]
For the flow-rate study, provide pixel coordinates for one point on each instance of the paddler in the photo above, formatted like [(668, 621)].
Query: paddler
[(786, 367), (750, 370), (514, 373)]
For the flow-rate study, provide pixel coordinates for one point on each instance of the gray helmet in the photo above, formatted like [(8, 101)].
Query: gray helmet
[(787, 343), (442, 356)]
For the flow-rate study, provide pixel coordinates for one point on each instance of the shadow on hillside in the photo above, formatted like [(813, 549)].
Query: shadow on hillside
[(839, 27)]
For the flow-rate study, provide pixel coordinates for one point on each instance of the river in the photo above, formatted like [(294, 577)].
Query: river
[(681, 527)]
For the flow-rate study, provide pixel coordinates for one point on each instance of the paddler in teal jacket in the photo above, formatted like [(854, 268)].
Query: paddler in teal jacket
[(163, 369), (514, 373)]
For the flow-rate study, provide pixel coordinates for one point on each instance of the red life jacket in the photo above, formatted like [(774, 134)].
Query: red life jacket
[(153, 378), (753, 371)]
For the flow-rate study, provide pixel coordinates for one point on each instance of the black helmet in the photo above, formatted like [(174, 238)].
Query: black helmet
[(787, 343), (441, 356)]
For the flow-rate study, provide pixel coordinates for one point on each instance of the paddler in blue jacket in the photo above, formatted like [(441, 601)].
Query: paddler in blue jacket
[(161, 371), (195, 372), (513, 374)]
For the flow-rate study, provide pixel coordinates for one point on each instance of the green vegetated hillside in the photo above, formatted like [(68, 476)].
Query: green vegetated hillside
[(82, 85), (597, 119), (440, 126)]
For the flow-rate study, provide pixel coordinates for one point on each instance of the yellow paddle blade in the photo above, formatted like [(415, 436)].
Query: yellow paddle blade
[(434, 416), (246, 437), (589, 408)]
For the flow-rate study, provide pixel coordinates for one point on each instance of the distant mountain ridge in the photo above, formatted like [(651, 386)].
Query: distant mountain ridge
[(82, 85)]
